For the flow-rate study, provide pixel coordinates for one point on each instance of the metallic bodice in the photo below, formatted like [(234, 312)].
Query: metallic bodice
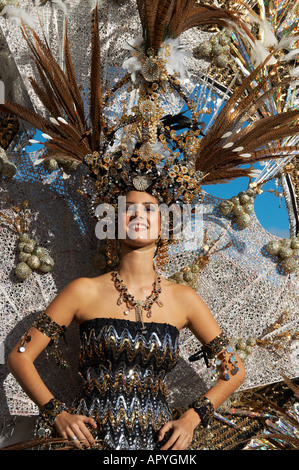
[(124, 372)]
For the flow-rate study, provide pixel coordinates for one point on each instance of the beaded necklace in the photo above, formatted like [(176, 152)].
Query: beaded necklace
[(138, 305)]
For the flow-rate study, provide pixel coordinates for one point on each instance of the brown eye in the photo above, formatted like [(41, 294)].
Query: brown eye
[(151, 208)]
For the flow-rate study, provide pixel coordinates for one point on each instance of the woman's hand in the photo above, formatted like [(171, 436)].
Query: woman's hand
[(73, 427), (182, 431)]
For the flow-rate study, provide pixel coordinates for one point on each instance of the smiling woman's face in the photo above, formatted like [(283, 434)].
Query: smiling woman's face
[(141, 218)]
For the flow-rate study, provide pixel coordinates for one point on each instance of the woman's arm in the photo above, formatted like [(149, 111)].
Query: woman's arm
[(204, 326), (62, 310), (232, 372)]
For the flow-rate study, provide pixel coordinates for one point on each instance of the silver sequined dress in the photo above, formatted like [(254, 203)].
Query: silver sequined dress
[(124, 372)]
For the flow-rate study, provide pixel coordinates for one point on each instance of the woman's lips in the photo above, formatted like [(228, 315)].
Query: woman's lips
[(139, 227)]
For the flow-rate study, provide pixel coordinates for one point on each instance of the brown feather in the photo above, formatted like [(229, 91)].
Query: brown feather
[(30, 116), (209, 15), (223, 175), (182, 9), (147, 12), (95, 84), (66, 149), (163, 16), (170, 18), (45, 97), (224, 120), (229, 118), (56, 77), (71, 76), (257, 133)]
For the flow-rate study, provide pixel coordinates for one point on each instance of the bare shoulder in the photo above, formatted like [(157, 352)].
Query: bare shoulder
[(70, 300), (186, 295), (197, 312), (86, 287)]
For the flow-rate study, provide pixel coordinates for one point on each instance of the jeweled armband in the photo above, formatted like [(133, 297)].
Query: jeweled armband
[(220, 355), (204, 408), (50, 328)]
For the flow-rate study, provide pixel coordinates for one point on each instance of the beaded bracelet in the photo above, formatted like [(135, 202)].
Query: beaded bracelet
[(52, 409), (204, 408), (50, 328), (47, 416)]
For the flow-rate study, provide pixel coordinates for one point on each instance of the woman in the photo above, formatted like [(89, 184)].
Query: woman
[(123, 366)]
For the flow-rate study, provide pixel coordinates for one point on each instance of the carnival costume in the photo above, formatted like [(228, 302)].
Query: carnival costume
[(124, 363)]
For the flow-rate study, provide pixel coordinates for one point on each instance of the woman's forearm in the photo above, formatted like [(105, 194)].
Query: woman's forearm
[(217, 394), (224, 389), (23, 369)]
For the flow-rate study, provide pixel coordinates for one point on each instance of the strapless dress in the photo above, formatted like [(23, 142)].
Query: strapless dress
[(124, 380)]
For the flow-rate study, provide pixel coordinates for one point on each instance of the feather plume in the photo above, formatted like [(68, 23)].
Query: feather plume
[(147, 12), (67, 131), (231, 144), (162, 19), (163, 15), (71, 77)]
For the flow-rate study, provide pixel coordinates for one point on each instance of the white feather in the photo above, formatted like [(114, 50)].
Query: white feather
[(65, 176), (60, 6), (255, 173), (17, 16), (62, 120), (245, 155), (98, 3), (291, 55), (132, 65), (228, 145), (227, 134), (176, 60), (53, 120), (268, 37), (173, 52), (38, 161), (46, 136), (294, 72), (287, 42), (259, 53)]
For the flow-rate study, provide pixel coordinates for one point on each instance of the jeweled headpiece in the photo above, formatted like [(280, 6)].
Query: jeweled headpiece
[(148, 148)]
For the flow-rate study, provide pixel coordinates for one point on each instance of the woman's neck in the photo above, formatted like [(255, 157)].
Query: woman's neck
[(137, 265)]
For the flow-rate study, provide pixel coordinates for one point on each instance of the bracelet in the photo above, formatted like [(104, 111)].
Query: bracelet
[(52, 409), (205, 410)]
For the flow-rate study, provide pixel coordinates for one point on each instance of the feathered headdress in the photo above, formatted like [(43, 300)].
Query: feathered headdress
[(145, 149)]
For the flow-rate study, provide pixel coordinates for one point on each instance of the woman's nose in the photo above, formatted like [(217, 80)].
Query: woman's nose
[(138, 212)]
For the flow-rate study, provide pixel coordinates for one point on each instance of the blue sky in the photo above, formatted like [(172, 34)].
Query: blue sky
[(272, 217)]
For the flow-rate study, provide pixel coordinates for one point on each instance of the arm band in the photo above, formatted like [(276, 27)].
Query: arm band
[(220, 355), (49, 328)]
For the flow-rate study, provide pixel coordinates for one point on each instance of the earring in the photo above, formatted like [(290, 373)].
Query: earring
[(161, 256), (112, 252)]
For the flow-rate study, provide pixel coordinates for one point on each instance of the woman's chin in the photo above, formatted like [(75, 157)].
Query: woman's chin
[(139, 242)]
